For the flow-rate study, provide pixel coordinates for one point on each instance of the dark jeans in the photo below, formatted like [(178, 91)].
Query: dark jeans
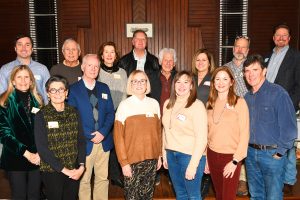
[(25, 184), (114, 166), (60, 187)]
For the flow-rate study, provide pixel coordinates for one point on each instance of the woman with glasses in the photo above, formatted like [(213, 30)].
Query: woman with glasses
[(184, 137), (228, 133), (137, 137), (18, 106), (60, 143)]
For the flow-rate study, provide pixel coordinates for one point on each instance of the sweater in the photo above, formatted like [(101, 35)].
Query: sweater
[(185, 129), (137, 130), (228, 128)]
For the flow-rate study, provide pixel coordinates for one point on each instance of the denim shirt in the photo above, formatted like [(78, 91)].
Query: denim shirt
[(272, 117)]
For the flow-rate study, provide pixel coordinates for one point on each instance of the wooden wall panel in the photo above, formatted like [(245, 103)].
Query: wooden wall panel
[(264, 15), (14, 20)]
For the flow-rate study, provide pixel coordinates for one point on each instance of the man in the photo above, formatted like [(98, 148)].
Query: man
[(139, 58), (24, 49), (273, 130), (93, 101), (284, 69), (240, 52), (70, 68)]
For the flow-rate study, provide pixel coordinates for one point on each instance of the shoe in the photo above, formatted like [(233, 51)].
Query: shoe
[(287, 190), (205, 184), (242, 189), (117, 182)]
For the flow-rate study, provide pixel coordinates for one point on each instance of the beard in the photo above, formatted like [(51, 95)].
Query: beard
[(239, 56)]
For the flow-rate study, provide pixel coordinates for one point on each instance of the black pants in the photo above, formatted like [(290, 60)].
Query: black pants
[(60, 187), (114, 166), (25, 184)]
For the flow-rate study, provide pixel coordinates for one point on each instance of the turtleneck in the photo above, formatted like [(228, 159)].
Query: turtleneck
[(24, 96), (112, 69)]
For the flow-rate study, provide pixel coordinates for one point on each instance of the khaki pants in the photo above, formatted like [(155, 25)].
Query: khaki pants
[(97, 160), (243, 176)]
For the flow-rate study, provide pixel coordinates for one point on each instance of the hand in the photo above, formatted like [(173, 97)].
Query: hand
[(68, 172), (229, 170), (127, 171), (165, 164), (190, 173), (33, 158), (98, 137), (77, 173), (206, 168), (159, 163)]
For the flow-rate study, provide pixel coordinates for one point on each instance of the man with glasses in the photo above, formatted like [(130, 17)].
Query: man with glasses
[(93, 101), (240, 52), (284, 69)]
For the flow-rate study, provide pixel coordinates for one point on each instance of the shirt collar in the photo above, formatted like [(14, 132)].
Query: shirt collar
[(284, 49), (137, 58)]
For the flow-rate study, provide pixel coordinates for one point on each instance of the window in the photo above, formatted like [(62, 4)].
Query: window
[(43, 30), (233, 22)]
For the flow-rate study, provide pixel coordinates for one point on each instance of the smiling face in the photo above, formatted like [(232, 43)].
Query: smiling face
[(139, 84), (57, 93), (202, 63), (241, 49), (281, 37), (109, 55), (90, 68), (222, 82), (183, 85), (139, 41), (167, 62), (24, 48), (22, 80), (70, 51), (255, 75)]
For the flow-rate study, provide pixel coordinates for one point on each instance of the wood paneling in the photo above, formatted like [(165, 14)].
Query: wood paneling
[(264, 15), (14, 20), (139, 11)]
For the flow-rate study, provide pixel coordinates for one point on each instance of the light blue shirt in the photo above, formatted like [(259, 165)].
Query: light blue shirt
[(40, 72), (140, 61), (275, 62)]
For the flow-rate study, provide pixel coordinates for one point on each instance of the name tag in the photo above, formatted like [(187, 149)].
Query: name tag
[(117, 76), (149, 114), (53, 125), (38, 77), (104, 96), (34, 110), (206, 83), (181, 117)]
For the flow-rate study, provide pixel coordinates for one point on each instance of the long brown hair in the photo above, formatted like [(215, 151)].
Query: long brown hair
[(210, 58), (193, 94), (10, 88), (213, 93)]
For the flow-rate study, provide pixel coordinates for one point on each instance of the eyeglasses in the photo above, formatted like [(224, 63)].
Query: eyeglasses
[(136, 82), (242, 37), (54, 91), (283, 36)]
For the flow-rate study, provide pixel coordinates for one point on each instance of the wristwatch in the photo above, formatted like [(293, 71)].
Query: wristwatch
[(234, 162)]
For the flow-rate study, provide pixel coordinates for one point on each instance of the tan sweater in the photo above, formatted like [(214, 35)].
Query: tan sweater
[(185, 129), (137, 130), (228, 128)]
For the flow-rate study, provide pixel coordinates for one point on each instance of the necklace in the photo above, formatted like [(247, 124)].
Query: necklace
[(219, 118)]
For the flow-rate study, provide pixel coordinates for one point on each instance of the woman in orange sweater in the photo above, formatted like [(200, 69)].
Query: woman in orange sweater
[(228, 133)]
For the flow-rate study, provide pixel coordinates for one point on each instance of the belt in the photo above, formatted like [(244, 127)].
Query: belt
[(263, 147)]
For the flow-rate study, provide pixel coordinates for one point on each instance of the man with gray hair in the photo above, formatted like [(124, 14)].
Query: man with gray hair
[(93, 101)]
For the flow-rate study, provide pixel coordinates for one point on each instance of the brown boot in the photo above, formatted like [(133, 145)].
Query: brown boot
[(242, 189)]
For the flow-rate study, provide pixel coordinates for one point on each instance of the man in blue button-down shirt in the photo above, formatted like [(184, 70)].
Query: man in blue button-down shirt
[(24, 48), (273, 129)]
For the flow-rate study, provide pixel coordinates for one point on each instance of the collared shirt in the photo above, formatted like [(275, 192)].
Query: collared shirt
[(165, 90), (140, 61), (272, 117), (40, 72), (240, 86), (275, 62), (90, 87)]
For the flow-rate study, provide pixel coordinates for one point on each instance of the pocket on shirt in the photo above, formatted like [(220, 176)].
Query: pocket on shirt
[(267, 114)]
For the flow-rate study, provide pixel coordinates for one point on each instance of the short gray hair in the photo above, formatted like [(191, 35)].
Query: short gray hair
[(88, 56), (71, 40), (163, 51)]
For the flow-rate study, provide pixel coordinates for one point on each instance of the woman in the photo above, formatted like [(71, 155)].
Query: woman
[(203, 65), (60, 143), (184, 137), (116, 79), (137, 137), (19, 155), (228, 133)]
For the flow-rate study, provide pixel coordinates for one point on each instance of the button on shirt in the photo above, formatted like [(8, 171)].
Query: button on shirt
[(275, 62), (140, 61), (240, 86), (272, 117), (40, 72)]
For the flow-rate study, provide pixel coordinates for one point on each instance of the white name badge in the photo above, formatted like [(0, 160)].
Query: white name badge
[(104, 96), (206, 83), (34, 110), (117, 76), (53, 125), (181, 117), (149, 114), (38, 77)]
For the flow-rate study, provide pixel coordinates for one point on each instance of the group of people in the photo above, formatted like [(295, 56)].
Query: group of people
[(124, 118)]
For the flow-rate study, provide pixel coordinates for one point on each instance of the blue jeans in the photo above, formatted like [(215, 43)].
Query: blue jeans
[(184, 189), (290, 169), (265, 174)]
